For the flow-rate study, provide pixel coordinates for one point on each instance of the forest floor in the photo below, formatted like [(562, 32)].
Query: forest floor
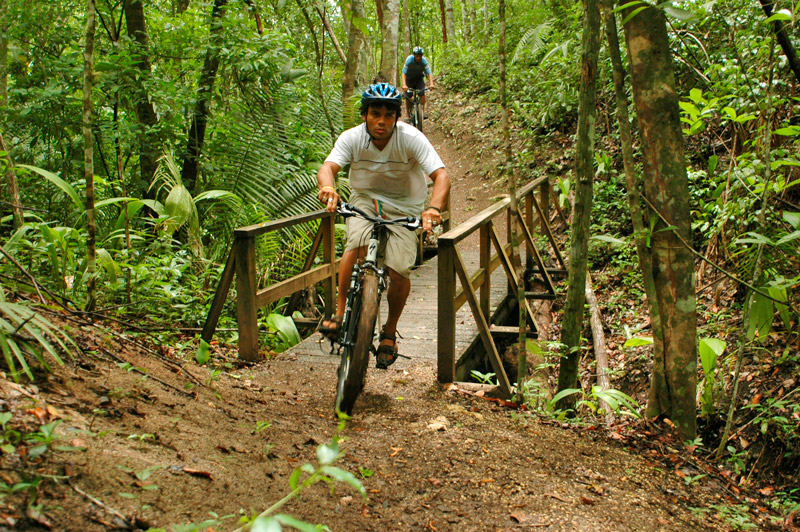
[(147, 438)]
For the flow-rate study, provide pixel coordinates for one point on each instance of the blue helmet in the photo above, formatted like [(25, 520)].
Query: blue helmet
[(418, 50), (381, 93)]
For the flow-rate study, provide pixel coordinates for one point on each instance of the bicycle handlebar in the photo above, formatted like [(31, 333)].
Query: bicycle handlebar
[(409, 222)]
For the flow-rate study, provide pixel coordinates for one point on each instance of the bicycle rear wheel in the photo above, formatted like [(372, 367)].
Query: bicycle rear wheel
[(355, 359)]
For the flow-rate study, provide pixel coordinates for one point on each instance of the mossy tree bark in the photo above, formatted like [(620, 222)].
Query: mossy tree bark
[(355, 43), (389, 29), (657, 388), (88, 153), (579, 237), (666, 188)]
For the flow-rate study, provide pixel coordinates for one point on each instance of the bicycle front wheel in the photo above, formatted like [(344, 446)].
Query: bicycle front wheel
[(355, 359), (418, 116)]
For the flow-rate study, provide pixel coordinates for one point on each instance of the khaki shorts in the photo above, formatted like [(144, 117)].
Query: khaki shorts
[(400, 250)]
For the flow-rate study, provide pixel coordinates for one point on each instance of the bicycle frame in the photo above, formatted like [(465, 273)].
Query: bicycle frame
[(416, 110)]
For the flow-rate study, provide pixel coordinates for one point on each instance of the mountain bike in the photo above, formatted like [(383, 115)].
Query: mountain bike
[(416, 107), (356, 333)]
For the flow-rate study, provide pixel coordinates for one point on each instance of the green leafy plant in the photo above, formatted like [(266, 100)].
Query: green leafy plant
[(619, 402), (484, 378), (25, 334), (710, 351)]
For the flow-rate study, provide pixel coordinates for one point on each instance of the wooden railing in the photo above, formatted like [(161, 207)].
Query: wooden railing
[(241, 263), (476, 287)]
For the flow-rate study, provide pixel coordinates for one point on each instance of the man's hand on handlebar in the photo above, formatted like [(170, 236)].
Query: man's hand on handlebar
[(431, 218), (329, 197)]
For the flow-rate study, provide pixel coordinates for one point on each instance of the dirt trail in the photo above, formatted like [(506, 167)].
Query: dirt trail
[(170, 442)]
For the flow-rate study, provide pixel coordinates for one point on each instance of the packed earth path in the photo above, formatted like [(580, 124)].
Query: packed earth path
[(147, 438)]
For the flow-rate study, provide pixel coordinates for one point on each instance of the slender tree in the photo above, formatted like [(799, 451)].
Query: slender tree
[(356, 41), (145, 112), (783, 39), (88, 153), (449, 19), (508, 170), (667, 196), (205, 87), (389, 28), (584, 170), (13, 187), (444, 21), (4, 53)]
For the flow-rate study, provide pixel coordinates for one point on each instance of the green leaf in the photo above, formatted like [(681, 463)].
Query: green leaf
[(792, 218), (710, 350), (755, 238), (681, 14), (783, 310), (789, 131), (293, 480), (327, 454), (293, 522), (609, 239), (285, 328), (788, 238), (345, 476), (783, 14), (563, 393), (57, 181), (638, 341), (760, 317), (203, 353)]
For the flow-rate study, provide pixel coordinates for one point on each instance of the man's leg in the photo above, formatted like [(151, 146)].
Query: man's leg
[(396, 296), (349, 258)]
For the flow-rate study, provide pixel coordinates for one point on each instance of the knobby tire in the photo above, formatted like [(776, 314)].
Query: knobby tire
[(418, 116), (355, 360)]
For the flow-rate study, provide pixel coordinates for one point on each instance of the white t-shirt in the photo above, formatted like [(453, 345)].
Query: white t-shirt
[(395, 175)]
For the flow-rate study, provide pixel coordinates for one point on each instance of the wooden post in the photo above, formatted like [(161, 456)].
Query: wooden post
[(446, 318), (219, 296), (329, 257), (529, 222), (485, 289), (246, 311)]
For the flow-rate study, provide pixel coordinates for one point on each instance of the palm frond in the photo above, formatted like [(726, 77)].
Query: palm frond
[(532, 42)]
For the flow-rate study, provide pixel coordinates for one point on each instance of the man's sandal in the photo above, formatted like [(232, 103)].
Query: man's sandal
[(386, 354), (331, 331)]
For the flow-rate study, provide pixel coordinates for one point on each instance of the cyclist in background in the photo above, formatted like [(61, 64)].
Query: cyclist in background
[(415, 70), (388, 162)]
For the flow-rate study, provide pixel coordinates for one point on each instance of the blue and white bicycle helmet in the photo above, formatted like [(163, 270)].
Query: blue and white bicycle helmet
[(418, 50), (381, 93)]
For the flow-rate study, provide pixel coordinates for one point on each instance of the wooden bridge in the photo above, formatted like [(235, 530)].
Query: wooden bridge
[(456, 326)]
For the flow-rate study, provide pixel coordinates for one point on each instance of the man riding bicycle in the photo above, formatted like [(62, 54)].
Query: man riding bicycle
[(388, 161), (415, 70)]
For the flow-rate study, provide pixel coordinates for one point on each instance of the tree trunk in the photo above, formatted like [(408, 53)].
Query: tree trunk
[(584, 170), (356, 42), (508, 170), (145, 112), (444, 21), (4, 25), (637, 215), (88, 154), (783, 39), (667, 194), (471, 19), (450, 19), (464, 21), (331, 33), (391, 23), (13, 188), (181, 6), (406, 30), (485, 20), (205, 87)]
